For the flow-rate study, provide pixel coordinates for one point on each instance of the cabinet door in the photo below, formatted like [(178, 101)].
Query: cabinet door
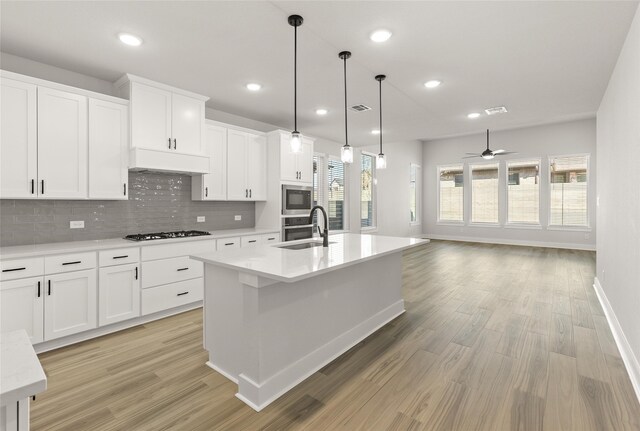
[(150, 117), (305, 162), (119, 293), (215, 183), (18, 142), (187, 121), (70, 303), (257, 167), (288, 161), (108, 150), (62, 144), (237, 189), (22, 305)]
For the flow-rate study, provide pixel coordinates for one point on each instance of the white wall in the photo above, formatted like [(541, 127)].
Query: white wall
[(532, 142), (618, 242)]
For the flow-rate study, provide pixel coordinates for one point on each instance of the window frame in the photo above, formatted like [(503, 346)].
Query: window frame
[(483, 223), (374, 194), (324, 178), (439, 221), (418, 190), (509, 224), (575, 228)]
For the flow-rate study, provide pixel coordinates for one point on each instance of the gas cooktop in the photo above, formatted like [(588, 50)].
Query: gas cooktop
[(165, 235)]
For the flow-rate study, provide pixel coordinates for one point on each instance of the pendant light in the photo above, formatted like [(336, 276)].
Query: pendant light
[(346, 153), (296, 138), (381, 160)]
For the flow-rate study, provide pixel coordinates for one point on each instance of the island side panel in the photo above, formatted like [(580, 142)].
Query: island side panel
[(294, 329)]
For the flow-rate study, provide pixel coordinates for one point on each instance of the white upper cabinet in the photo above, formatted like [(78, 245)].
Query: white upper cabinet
[(108, 150), (213, 186), (62, 144), (246, 166), (257, 167), (295, 167), (187, 122), (18, 141), (150, 117)]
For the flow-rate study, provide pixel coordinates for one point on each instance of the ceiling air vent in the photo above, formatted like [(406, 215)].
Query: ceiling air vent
[(360, 108), (496, 110)]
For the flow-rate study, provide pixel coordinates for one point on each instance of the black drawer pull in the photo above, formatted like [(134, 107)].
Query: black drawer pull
[(72, 263), (13, 269), (229, 243), (121, 257), (183, 293), (49, 288), (183, 269), (33, 186), (270, 239), (136, 272), (253, 240), (38, 289)]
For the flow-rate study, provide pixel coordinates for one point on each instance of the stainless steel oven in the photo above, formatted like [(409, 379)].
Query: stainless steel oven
[(295, 228), (296, 200)]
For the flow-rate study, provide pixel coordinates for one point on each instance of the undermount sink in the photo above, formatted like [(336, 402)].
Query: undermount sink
[(303, 245)]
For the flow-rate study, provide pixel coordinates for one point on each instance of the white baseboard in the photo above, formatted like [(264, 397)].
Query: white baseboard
[(259, 395), (564, 245), (222, 371), (630, 360)]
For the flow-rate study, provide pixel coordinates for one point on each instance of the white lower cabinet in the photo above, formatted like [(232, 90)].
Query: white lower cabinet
[(15, 416), (22, 307), (70, 303), (118, 293), (172, 295)]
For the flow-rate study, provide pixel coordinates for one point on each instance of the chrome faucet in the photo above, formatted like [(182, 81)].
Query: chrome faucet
[(325, 235)]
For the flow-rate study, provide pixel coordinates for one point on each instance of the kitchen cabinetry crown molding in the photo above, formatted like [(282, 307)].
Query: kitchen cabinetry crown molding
[(127, 78)]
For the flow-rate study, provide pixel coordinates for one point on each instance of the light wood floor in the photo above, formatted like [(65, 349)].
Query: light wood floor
[(494, 338)]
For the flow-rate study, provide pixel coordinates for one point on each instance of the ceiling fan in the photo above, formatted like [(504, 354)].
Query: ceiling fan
[(489, 154)]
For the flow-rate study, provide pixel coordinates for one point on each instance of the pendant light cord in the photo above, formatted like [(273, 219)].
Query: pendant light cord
[(380, 82), (346, 134), (295, 78)]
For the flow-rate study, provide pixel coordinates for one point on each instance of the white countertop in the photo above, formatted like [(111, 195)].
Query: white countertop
[(280, 264), (21, 251), (21, 374)]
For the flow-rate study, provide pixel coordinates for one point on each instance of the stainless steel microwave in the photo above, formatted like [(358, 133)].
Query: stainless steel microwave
[(296, 200)]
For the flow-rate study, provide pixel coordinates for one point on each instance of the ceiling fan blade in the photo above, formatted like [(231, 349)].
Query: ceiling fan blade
[(499, 151), (471, 157), (504, 153), (473, 154)]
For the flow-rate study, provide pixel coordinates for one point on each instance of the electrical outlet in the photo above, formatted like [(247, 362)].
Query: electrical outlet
[(200, 219), (238, 218), (76, 224)]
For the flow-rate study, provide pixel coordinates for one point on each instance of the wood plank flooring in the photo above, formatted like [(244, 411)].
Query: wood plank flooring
[(494, 338)]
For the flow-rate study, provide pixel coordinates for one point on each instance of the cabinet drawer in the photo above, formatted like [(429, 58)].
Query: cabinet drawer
[(270, 238), (172, 295), (69, 262), (21, 268), (233, 242), (165, 251), (119, 256), (165, 271), (250, 241)]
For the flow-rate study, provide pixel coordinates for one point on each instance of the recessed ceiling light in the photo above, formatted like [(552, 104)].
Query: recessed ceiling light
[(496, 110), (252, 86), (375, 132), (433, 83), (321, 111), (381, 35), (473, 115), (130, 39)]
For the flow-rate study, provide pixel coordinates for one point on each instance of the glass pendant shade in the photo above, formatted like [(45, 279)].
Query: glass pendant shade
[(347, 154), (296, 142), (381, 161)]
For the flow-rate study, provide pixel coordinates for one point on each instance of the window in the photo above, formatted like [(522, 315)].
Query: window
[(568, 190), (329, 190), (523, 192), (484, 193), (414, 193), (451, 193), (367, 190)]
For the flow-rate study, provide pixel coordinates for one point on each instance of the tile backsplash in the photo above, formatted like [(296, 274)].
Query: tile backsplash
[(157, 202)]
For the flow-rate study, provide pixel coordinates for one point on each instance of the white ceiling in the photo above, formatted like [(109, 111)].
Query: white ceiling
[(546, 61)]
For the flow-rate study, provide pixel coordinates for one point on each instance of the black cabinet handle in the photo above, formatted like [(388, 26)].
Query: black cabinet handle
[(169, 143), (246, 193), (175, 143), (124, 189), (121, 257), (183, 269), (271, 239), (183, 293), (42, 183), (38, 289), (72, 263), (253, 240), (228, 243), (249, 192), (13, 269), (136, 272), (49, 288), (33, 186)]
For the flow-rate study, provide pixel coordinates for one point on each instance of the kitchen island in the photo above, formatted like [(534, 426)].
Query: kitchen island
[(273, 316)]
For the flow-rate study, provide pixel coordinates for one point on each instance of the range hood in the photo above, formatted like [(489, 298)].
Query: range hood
[(144, 159)]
